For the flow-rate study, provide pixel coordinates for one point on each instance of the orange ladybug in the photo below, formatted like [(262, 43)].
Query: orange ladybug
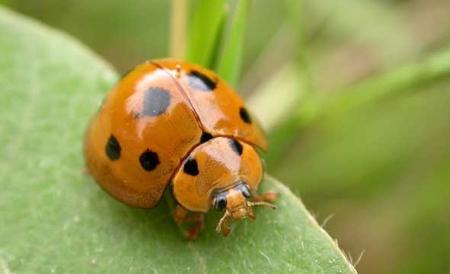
[(168, 122)]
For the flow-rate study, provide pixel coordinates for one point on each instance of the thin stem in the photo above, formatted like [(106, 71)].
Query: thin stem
[(178, 28)]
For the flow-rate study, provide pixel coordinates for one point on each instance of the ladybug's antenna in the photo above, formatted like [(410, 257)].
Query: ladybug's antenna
[(261, 204), (220, 226)]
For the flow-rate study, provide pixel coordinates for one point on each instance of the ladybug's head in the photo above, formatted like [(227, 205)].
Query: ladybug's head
[(237, 203)]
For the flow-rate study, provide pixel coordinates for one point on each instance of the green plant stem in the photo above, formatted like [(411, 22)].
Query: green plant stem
[(295, 12), (178, 28), (205, 28), (230, 59)]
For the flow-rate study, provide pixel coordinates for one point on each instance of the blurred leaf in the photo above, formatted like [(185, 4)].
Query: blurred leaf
[(284, 90), (364, 148), (385, 167), (231, 55), (277, 97), (206, 30), (124, 34), (352, 40), (424, 224), (379, 24), (378, 157), (55, 219), (402, 79)]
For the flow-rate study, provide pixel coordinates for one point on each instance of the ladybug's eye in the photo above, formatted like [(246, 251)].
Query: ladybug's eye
[(220, 202), (246, 192), (244, 189)]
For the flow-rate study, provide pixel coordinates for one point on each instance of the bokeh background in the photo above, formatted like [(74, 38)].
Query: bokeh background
[(375, 169)]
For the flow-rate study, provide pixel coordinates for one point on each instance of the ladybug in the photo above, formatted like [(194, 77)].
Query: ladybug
[(171, 123)]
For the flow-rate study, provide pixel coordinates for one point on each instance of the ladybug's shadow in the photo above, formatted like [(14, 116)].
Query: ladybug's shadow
[(139, 225), (155, 224)]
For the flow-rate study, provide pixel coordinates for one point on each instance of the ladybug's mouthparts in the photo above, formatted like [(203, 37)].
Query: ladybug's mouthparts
[(239, 213)]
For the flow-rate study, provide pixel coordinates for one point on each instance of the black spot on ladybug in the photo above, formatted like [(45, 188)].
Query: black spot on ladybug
[(205, 137), (156, 101), (199, 81), (244, 115), (236, 146), (191, 167), (112, 148), (149, 160)]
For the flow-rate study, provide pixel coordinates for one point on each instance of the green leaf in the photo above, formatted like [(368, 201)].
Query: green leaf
[(55, 219), (206, 29), (216, 37), (232, 50)]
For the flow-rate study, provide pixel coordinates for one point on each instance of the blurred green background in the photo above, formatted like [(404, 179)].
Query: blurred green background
[(354, 95)]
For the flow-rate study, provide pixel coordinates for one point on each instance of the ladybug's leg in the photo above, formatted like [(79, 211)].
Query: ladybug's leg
[(225, 228), (194, 230), (182, 216), (268, 197)]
